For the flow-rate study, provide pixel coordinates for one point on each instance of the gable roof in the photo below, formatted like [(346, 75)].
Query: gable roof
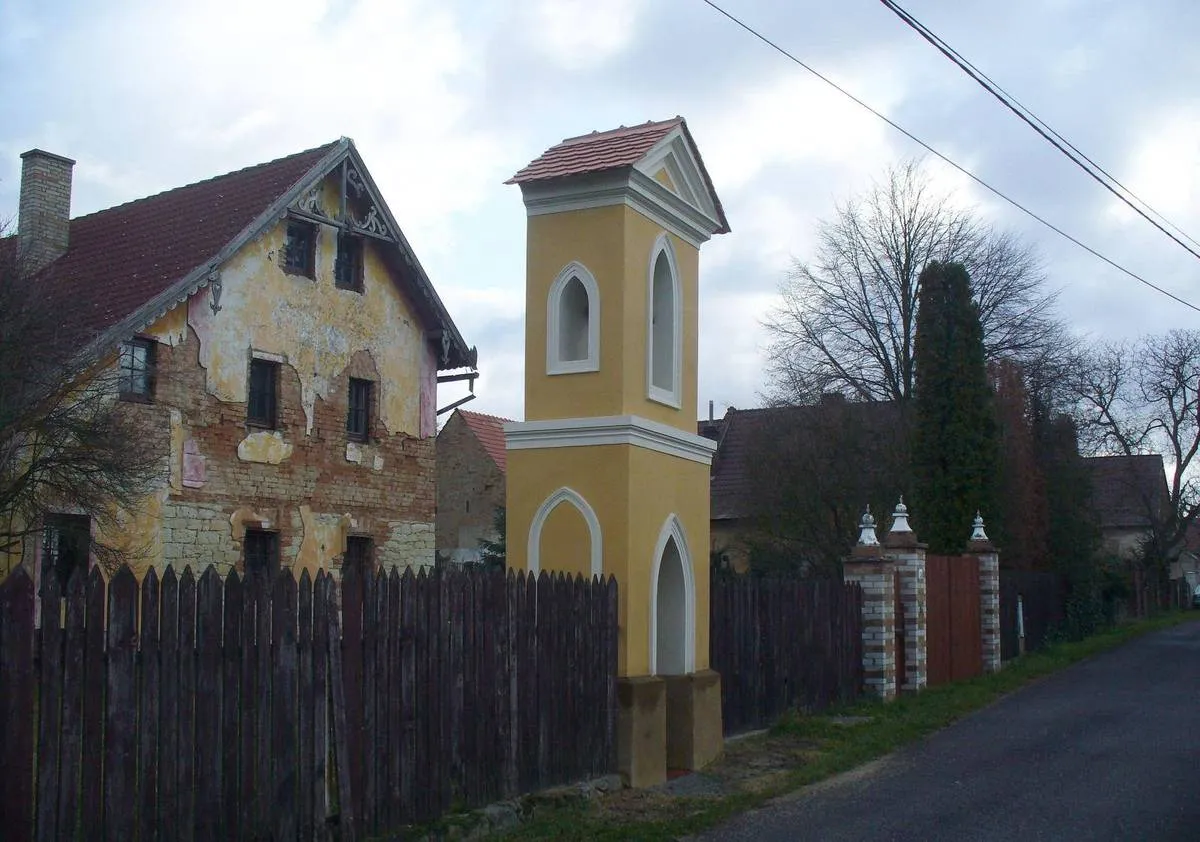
[(127, 265), (1122, 486), (489, 430), (743, 435), (615, 149)]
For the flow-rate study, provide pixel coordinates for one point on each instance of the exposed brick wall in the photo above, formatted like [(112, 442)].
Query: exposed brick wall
[(909, 557), (989, 603), (470, 487), (388, 494), (876, 576)]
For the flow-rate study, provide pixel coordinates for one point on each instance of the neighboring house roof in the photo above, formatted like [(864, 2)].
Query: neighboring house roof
[(127, 265), (1123, 487), (614, 149), (489, 429), (743, 435)]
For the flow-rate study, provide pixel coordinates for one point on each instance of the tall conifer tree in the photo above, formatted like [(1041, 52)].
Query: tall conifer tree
[(955, 436)]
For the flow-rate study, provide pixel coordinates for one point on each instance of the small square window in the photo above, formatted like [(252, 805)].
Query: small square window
[(299, 254), (262, 402), (260, 550), (136, 374), (359, 554), (348, 269), (66, 545), (358, 416)]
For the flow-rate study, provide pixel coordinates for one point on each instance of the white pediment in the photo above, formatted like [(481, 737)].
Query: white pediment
[(674, 154)]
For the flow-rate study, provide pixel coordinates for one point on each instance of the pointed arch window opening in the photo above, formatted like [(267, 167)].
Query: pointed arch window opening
[(573, 322), (664, 333)]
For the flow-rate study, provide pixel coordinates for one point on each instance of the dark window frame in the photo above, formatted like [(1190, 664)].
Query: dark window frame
[(260, 551), (360, 553), (63, 530), (300, 256), (348, 267), (359, 397), (262, 400), (129, 372)]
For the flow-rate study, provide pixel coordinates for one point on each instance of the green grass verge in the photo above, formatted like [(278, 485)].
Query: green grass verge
[(837, 747)]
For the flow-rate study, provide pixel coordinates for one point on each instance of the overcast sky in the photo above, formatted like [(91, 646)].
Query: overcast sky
[(446, 99)]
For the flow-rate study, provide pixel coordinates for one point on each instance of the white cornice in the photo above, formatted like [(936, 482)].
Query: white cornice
[(623, 187), (611, 429)]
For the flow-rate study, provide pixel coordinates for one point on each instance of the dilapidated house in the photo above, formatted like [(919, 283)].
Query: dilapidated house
[(280, 344), (471, 462)]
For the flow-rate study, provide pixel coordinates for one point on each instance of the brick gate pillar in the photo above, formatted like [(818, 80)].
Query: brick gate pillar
[(908, 555), (875, 573), (989, 594)]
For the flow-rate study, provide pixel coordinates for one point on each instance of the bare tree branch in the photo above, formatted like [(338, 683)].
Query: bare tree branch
[(846, 319), (66, 443)]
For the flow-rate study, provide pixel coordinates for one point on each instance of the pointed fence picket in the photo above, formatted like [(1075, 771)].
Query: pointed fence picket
[(211, 708)]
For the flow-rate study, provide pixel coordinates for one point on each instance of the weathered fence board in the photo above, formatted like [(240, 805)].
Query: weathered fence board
[(781, 643), (208, 709)]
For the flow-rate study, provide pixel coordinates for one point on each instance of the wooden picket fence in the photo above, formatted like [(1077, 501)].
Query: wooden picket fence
[(224, 708), (783, 643)]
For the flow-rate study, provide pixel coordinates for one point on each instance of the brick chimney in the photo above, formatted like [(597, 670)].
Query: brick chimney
[(44, 214)]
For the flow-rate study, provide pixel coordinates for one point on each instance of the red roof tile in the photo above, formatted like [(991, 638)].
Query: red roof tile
[(1125, 488), (121, 258), (610, 150), (595, 152), (489, 429)]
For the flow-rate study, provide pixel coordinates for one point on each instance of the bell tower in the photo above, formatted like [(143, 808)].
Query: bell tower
[(606, 475)]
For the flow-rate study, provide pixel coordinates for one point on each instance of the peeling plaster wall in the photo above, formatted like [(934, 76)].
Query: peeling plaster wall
[(313, 325), (304, 480)]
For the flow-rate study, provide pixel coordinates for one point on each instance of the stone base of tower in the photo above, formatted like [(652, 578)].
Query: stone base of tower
[(694, 733), (642, 730)]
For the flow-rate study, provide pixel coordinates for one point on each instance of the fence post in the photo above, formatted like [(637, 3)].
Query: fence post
[(989, 594), (875, 574), (908, 554)]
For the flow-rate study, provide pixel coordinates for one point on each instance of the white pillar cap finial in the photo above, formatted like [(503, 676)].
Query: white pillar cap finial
[(977, 533), (900, 518), (866, 535)]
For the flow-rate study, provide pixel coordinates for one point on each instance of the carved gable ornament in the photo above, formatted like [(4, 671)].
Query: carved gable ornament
[(359, 209)]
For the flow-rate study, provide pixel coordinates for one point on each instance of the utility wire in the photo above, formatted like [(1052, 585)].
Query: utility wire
[(1041, 127), (959, 167)]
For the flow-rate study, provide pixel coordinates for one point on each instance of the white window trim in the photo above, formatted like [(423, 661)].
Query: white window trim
[(672, 528), (566, 495), (672, 397), (554, 365)]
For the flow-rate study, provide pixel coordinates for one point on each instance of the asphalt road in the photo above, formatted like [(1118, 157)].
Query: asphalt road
[(1106, 749)]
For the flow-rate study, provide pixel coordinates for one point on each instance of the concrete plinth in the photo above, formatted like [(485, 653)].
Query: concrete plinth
[(694, 732), (642, 730)]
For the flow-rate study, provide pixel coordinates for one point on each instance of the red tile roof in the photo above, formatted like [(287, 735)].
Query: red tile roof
[(1125, 488), (121, 258), (743, 436), (595, 152), (610, 150), (489, 429)]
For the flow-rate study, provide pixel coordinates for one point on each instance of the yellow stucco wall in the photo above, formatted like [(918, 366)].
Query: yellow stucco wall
[(633, 492), (566, 542), (615, 244)]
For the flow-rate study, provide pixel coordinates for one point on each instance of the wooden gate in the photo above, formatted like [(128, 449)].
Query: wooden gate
[(953, 635)]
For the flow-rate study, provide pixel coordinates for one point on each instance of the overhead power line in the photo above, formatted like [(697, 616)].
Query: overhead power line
[(1072, 152), (946, 159)]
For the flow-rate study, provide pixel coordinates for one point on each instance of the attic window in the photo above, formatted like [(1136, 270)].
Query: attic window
[(136, 378), (299, 253), (348, 270), (573, 322)]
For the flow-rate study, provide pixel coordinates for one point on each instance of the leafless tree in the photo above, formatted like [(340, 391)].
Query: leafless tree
[(66, 443), (846, 321), (1144, 397)]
